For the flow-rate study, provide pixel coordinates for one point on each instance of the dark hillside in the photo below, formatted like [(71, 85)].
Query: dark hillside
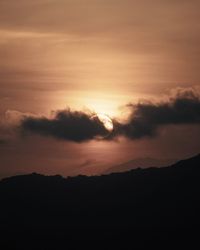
[(143, 200)]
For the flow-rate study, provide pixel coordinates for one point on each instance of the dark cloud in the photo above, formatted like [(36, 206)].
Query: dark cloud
[(2, 142), (146, 118), (67, 125)]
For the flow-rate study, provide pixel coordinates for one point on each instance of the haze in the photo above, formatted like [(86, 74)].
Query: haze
[(95, 55)]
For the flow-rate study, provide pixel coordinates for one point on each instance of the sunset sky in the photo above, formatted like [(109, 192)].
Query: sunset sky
[(97, 56)]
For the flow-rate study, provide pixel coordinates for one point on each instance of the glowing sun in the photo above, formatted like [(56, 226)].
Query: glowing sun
[(107, 122)]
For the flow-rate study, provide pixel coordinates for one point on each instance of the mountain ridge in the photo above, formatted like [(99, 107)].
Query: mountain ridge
[(145, 162), (139, 203), (35, 174)]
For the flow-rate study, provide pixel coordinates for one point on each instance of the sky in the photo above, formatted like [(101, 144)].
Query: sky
[(63, 61)]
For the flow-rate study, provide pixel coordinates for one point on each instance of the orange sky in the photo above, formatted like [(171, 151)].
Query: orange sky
[(95, 54)]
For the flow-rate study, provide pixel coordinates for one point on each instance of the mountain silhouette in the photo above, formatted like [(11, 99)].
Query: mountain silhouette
[(121, 207), (139, 162)]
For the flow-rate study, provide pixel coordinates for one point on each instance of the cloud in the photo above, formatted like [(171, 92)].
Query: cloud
[(68, 125), (145, 119), (9, 123), (14, 117), (2, 142), (182, 107)]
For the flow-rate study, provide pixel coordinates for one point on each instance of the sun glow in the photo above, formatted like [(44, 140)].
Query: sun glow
[(100, 103), (106, 120)]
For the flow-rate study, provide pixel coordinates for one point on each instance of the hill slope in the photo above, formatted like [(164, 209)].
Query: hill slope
[(139, 162), (143, 199)]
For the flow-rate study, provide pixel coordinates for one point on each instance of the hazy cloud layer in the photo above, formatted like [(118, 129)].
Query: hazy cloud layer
[(67, 125)]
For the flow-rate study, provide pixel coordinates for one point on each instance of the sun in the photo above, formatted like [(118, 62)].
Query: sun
[(106, 120)]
